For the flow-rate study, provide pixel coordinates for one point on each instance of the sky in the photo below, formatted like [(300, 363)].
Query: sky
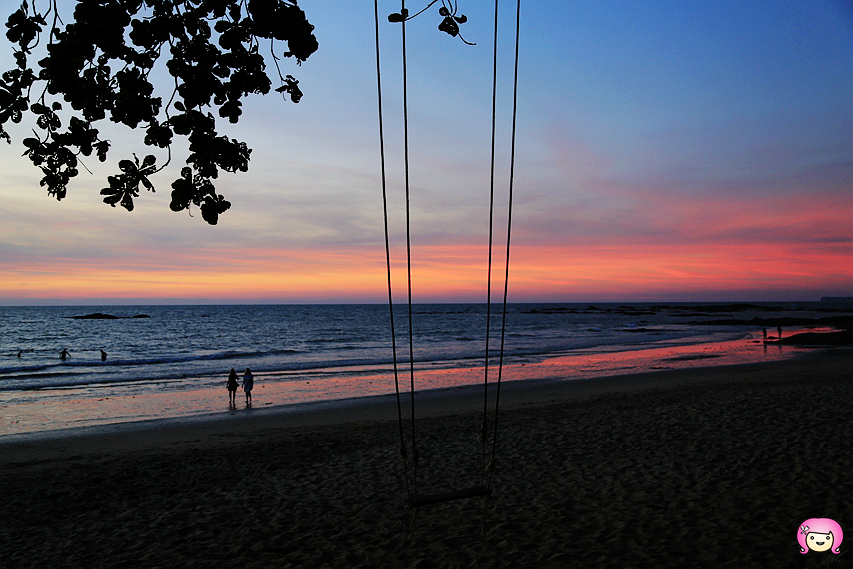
[(665, 151)]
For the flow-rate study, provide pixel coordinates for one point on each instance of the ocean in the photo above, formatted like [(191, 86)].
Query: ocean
[(167, 362)]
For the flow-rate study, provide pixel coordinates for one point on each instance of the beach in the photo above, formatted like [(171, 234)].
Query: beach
[(702, 467)]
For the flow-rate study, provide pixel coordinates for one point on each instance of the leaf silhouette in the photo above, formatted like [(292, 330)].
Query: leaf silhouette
[(100, 62)]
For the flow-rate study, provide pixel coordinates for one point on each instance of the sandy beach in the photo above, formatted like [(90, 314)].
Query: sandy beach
[(706, 467)]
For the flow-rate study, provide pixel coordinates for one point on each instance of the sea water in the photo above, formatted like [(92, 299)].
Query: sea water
[(177, 355)]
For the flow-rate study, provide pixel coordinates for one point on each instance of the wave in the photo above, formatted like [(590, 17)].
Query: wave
[(21, 369), (156, 360), (88, 382), (233, 354)]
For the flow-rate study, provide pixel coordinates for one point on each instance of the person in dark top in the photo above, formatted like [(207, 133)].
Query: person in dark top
[(231, 386)]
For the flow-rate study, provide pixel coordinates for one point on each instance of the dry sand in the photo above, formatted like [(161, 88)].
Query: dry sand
[(713, 467)]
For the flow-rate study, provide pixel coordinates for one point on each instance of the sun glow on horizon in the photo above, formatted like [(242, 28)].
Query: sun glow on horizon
[(442, 273)]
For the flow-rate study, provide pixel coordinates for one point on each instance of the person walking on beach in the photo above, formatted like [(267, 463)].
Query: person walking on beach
[(764, 331), (779, 329), (63, 354), (231, 386), (103, 356), (248, 384)]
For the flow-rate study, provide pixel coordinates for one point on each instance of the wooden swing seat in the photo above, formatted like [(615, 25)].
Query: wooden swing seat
[(431, 499)]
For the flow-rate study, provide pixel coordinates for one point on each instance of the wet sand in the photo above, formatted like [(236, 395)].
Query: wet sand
[(704, 467)]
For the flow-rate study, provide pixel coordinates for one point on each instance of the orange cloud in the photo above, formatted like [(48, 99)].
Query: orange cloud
[(643, 272)]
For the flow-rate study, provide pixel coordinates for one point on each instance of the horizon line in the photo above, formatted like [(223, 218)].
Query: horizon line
[(36, 303)]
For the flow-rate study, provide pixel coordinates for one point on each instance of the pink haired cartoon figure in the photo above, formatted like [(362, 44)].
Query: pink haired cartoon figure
[(820, 534)]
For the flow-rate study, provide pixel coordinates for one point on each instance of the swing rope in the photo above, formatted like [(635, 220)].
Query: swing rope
[(412, 489), (484, 437), (415, 457), (491, 467), (403, 452)]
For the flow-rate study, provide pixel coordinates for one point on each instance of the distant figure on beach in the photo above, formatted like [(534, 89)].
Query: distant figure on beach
[(248, 384), (103, 356), (231, 386), (764, 331), (779, 330), (20, 352), (63, 354)]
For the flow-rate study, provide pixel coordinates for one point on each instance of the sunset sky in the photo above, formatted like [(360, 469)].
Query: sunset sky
[(666, 150)]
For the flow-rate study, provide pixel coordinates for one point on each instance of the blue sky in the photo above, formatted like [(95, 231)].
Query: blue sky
[(666, 150)]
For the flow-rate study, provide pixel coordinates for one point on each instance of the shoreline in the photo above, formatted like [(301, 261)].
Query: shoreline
[(37, 414), (703, 467), (432, 403)]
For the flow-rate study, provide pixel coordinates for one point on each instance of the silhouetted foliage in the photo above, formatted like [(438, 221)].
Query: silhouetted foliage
[(450, 23), (99, 66)]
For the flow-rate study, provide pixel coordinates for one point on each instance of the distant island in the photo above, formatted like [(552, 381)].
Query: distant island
[(102, 316)]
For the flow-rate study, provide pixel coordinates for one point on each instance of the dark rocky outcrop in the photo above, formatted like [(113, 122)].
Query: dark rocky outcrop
[(102, 316)]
